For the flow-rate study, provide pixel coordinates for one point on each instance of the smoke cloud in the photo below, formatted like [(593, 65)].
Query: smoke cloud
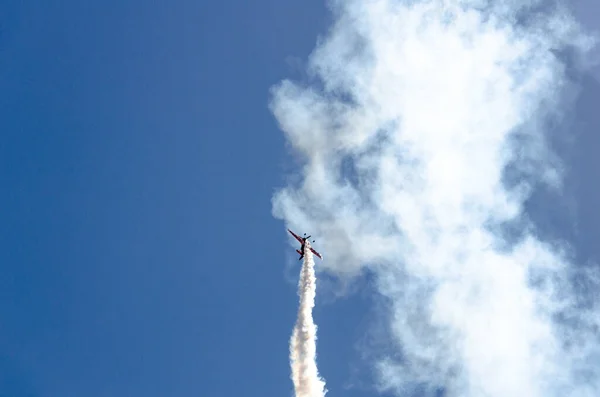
[(303, 344), (422, 133)]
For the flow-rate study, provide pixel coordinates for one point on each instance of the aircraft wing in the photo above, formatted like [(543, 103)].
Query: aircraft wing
[(295, 235), (316, 253)]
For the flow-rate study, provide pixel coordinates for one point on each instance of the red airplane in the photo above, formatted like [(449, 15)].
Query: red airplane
[(302, 241)]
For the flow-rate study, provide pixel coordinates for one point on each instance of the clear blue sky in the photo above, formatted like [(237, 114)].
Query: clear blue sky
[(138, 163), (138, 253)]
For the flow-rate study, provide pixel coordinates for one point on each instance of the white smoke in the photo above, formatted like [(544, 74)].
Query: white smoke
[(303, 344), (423, 135)]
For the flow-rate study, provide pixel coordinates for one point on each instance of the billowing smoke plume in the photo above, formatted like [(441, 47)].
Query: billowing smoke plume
[(303, 344), (423, 133)]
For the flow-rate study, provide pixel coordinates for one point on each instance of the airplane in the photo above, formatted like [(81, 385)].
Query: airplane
[(302, 241)]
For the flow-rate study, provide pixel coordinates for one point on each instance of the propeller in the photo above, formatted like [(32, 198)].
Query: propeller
[(307, 237)]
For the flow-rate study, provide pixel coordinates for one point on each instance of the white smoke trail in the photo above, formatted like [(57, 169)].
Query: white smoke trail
[(423, 136), (303, 344)]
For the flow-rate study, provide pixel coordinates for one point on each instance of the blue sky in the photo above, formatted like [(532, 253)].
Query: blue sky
[(138, 163), (138, 251)]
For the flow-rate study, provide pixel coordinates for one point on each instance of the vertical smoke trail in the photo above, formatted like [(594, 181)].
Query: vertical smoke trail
[(303, 347)]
